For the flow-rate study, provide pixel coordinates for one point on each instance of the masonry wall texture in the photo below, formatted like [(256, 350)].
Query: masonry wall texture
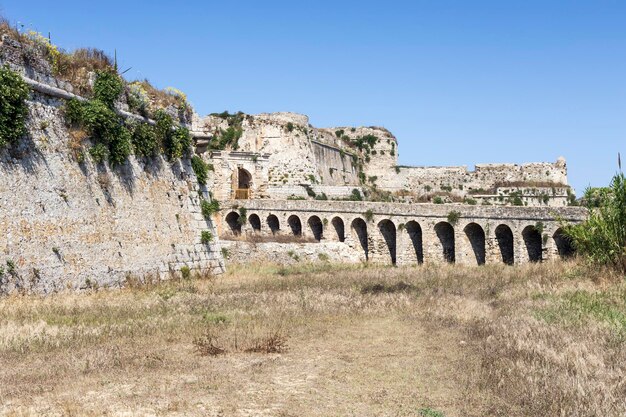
[(65, 224)]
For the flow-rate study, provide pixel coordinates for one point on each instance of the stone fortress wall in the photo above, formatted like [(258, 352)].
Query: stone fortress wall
[(70, 224), (330, 161)]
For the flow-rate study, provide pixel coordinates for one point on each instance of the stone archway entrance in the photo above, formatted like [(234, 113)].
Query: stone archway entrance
[(244, 183)]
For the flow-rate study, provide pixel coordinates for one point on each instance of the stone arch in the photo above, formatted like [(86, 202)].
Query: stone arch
[(273, 223), (244, 183), (232, 220), (476, 236), (388, 231), (414, 230), (315, 224), (359, 229), (244, 178), (255, 222), (445, 233), (295, 225), (504, 237), (564, 245), (532, 241), (338, 226)]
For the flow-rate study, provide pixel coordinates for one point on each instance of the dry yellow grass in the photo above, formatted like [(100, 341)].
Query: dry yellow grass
[(366, 341)]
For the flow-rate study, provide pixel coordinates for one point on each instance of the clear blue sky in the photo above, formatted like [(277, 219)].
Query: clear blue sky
[(458, 82)]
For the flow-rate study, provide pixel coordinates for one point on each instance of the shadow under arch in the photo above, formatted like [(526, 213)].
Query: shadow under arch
[(359, 229), (388, 230), (476, 236), (532, 240), (504, 237), (445, 233)]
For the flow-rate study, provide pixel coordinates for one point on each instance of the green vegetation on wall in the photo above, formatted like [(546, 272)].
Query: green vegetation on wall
[(113, 138), (228, 138), (13, 109), (201, 169)]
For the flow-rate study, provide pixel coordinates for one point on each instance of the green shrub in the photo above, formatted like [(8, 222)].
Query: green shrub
[(243, 216), (174, 142), (144, 140), (209, 208), (602, 237), (99, 153), (453, 217), (108, 87), (112, 139), (200, 168), (438, 200), (184, 140), (185, 272), (290, 127), (369, 215), (206, 237), (356, 195), (74, 112), (429, 412), (13, 108), (177, 143), (120, 147)]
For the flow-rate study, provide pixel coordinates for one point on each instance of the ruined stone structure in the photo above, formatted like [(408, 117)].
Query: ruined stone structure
[(397, 233), (296, 160), (67, 222)]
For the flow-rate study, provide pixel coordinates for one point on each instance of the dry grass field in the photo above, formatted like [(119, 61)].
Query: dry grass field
[(324, 340)]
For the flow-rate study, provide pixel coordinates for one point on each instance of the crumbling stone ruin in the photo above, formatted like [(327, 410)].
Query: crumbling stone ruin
[(109, 185)]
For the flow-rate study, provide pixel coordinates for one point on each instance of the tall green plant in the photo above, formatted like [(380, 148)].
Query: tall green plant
[(602, 237), (13, 109), (108, 87)]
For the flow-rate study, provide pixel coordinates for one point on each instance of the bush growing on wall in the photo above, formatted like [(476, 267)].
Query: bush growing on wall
[(144, 139), (200, 168), (115, 140), (209, 208), (108, 87), (175, 142), (13, 109)]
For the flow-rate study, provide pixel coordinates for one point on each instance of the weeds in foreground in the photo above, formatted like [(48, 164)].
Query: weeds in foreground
[(539, 339), (222, 337)]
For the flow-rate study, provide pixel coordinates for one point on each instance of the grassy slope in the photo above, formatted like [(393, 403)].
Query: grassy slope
[(533, 340)]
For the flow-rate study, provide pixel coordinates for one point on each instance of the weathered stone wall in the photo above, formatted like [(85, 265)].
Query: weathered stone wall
[(335, 166), (242, 252), (383, 156), (65, 224), (300, 155), (406, 234), (224, 178), (532, 180)]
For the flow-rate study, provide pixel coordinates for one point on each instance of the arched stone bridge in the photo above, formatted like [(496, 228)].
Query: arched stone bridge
[(411, 233)]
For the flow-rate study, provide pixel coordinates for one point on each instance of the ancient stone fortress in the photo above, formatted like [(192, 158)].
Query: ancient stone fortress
[(288, 192)]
